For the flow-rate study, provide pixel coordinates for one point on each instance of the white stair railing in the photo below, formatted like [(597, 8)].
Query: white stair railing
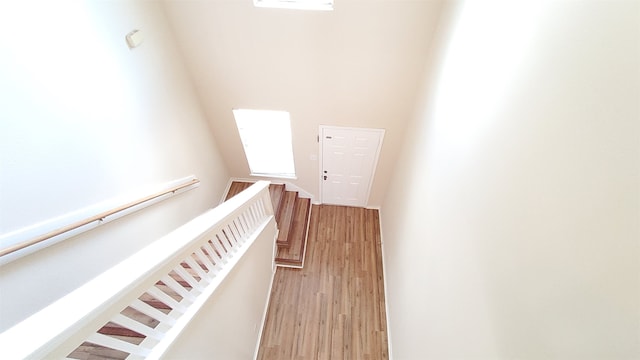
[(153, 294)]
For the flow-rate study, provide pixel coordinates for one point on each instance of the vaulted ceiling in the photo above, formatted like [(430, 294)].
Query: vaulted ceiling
[(358, 66)]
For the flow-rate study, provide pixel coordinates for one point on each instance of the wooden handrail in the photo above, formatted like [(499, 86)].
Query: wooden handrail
[(89, 220)]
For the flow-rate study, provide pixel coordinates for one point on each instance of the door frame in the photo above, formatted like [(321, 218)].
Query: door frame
[(321, 157)]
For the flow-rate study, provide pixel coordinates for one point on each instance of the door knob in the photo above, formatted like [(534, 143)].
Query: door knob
[(325, 177)]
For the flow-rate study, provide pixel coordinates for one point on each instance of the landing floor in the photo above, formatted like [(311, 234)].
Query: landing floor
[(334, 308)]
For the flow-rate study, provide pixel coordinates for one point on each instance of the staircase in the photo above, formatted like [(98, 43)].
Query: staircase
[(91, 351), (292, 216), (141, 307)]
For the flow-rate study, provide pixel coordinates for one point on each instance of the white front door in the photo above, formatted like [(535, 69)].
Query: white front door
[(349, 158)]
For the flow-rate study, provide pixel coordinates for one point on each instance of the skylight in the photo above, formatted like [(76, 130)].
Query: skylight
[(322, 5), (266, 138)]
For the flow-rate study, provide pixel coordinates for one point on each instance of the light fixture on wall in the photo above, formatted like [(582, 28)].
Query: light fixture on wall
[(134, 39), (321, 5)]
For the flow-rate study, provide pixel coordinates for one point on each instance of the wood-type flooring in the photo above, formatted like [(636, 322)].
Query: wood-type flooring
[(333, 308)]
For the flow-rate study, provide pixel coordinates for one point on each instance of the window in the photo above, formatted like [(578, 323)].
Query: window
[(322, 5), (266, 138)]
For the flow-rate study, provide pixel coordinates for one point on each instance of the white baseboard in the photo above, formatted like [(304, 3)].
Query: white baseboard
[(386, 288), (301, 192)]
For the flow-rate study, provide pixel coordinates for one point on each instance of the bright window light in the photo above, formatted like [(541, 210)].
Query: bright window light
[(322, 5), (266, 138)]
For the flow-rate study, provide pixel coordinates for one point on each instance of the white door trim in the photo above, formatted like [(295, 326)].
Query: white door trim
[(320, 158)]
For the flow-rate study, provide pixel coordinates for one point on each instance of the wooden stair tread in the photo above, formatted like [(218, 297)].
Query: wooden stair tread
[(236, 188), (276, 191), (284, 217), (117, 330), (294, 254)]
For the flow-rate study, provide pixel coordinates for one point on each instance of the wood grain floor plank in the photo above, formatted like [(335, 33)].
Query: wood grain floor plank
[(334, 307)]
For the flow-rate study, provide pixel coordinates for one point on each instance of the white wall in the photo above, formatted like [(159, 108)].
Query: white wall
[(228, 325), (511, 226), (355, 66), (84, 119)]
